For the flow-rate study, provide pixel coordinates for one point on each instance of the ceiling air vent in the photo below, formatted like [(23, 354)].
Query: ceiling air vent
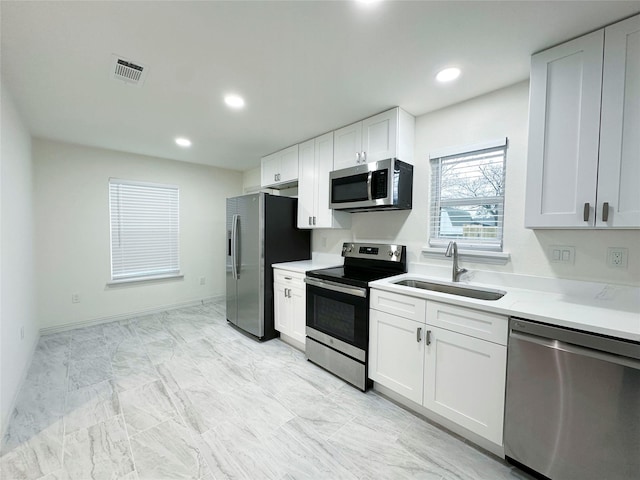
[(127, 71)]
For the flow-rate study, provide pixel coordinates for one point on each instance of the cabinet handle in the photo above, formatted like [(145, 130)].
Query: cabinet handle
[(585, 212), (314, 220), (310, 221), (428, 337), (364, 157), (357, 157), (287, 292), (287, 278), (418, 334), (605, 212)]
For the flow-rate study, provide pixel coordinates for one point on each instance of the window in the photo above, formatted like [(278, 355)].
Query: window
[(145, 230), (467, 197)]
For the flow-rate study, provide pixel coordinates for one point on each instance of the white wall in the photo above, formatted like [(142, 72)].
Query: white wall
[(503, 113), (17, 293), (251, 180), (72, 231)]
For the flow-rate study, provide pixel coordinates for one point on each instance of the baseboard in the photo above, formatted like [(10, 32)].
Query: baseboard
[(23, 378), (128, 315), (293, 342)]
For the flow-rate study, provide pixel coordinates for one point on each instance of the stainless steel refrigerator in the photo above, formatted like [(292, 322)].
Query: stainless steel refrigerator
[(261, 230)]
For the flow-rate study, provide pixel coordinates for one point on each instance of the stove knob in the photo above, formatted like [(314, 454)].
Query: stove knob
[(391, 253), (396, 253)]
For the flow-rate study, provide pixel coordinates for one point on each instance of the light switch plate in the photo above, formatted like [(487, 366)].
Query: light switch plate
[(562, 254)]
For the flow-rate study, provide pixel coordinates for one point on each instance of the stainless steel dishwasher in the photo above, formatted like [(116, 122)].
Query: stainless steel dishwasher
[(573, 403)]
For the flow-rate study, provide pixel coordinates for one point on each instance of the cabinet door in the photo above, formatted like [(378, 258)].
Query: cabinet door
[(396, 354), (281, 309), (297, 303), (564, 127), (270, 166), (324, 165), (464, 381), (306, 184), (619, 167), (379, 136), (347, 146), (289, 164)]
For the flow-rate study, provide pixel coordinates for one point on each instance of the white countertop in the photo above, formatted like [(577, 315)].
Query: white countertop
[(303, 266), (604, 309)]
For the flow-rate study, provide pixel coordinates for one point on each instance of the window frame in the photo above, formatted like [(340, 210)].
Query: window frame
[(435, 240), (172, 265)]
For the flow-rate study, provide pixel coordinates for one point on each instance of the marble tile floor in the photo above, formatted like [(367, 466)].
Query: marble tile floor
[(181, 394)]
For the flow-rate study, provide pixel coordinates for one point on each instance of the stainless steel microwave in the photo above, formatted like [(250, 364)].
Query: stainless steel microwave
[(383, 185)]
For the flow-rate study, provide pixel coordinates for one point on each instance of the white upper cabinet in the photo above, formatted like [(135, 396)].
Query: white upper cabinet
[(316, 161), (619, 168), (389, 134), (280, 168), (347, 149), (583, 169)]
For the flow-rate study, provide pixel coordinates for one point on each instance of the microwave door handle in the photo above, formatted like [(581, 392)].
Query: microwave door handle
[(369, 181)]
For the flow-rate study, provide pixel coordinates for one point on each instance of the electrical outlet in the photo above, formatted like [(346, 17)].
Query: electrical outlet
[(75, 298), (562, 254), (203, 280), (617, 257)]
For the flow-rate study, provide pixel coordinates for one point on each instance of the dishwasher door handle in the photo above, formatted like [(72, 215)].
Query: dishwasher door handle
[(576, 350)]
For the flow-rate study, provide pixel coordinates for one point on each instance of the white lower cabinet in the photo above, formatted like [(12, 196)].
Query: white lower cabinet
[(464, 381), (453, 372), (289, 304), (396, 353)]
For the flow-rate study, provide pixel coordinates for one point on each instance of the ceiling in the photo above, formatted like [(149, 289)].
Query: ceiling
[(303, 67)]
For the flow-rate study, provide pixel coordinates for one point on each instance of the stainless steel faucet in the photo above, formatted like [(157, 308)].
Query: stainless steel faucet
[(452, 250)]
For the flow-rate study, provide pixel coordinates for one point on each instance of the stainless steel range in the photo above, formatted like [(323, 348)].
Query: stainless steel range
[(338, 308)]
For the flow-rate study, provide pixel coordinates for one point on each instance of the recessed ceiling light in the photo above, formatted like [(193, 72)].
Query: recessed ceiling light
[(183, 142), (234, 101), (448, 74)]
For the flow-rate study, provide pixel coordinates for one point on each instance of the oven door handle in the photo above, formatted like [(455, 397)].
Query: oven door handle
[(337, 287)]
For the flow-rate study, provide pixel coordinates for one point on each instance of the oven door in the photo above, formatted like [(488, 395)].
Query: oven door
[(338, 316)]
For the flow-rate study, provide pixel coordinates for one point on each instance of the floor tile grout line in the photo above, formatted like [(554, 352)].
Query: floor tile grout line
[(124, 421)]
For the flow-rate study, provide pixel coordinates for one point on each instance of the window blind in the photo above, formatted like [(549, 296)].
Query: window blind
[(467, 199), (145, 230)]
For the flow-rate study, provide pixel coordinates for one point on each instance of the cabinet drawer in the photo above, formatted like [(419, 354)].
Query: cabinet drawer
[(486, 326), (401, 305), (287, 277)]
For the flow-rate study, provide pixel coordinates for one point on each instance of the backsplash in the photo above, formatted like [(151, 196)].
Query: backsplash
[(501, 113)]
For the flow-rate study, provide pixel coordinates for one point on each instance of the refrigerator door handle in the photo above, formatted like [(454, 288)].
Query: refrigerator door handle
[(234, 246)]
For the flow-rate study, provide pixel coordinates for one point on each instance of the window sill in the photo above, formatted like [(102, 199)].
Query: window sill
[(475, 256), (150, 279)]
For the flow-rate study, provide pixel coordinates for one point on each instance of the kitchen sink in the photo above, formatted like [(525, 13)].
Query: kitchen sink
[(466, 291)]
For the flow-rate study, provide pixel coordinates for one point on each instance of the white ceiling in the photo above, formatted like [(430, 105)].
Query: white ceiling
[(304, 67)]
